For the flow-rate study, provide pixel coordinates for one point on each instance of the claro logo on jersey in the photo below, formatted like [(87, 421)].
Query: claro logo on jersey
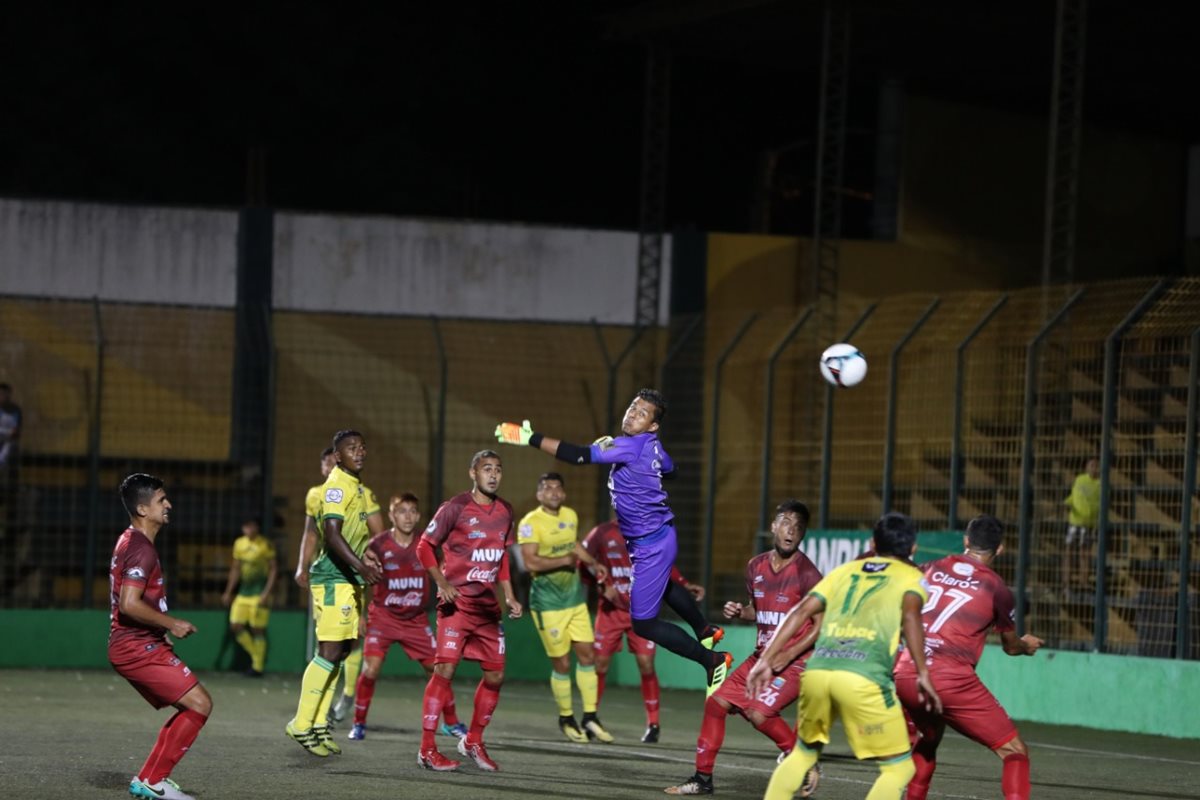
[(489, 554), (949, 580)]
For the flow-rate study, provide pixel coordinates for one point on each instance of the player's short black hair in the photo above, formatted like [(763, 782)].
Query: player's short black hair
[(794, 507), (895, 534), (482, 454), (403, 497), (342, 435), (138, 488), (255, 521), (985, 532), (656, 399), (327, 452), (551, 476)]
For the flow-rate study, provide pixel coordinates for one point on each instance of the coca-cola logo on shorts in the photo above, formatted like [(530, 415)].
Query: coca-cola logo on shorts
[(481, 575)]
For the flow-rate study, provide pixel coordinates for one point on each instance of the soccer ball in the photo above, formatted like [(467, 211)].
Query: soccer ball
[(843, 366)]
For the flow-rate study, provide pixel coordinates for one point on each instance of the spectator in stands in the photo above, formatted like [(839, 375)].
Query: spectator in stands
[(1083, 519), (10, 428)]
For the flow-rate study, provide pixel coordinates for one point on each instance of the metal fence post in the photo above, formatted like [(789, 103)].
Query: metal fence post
[(1032, 352), (268, 467), (769, 414), (1183, 626), (1108, 419), (94, 442), (889, 445), (713, 436), (436, 477), (960, 363), (827, 437)]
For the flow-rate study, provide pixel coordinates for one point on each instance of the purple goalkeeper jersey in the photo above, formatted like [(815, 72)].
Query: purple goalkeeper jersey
[(635, 482)]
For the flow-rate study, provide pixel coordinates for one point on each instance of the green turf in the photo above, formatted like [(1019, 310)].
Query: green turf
[(84, 734)]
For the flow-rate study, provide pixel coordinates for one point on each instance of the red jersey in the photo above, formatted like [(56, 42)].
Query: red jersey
[(473, 539), (606, 544), (775, 593), (966, 600), (135, 562), (403, 591)]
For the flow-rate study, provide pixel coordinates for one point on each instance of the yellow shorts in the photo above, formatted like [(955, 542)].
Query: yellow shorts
[(247, 611), (336, 610), (870, 713), (559, 628)]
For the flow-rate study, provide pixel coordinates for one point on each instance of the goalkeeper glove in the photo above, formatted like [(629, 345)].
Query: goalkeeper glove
[(512, 433), (604, 442)]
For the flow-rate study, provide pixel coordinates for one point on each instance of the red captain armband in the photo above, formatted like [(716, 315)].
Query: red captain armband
[(425, 553), (677, 576), (503, 574)]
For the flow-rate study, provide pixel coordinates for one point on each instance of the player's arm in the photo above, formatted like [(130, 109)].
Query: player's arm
[(371, 573), (428, 559), (769, 663), (1015, 645), (594, 567), (375, 526), (133, 605), (805, 643), (736, 610), (504, 582), (272, 575), (235, 575), (536, 563), (308, 548), (696, 590), (913, 630)]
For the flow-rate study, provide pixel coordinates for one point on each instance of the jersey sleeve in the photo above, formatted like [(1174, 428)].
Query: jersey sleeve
[(370, 502), (335, 501), (442, 523), (917, 584), (312, 502), (137, 563), (234, 551), (620, 450), (1004, 609), (269, 555), (527, 532), (668, 465), (825, 587), (750, 581)]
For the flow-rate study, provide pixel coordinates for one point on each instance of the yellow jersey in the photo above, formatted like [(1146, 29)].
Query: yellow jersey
[(344, 497), (555, 537), (254, 557), (863, 611)]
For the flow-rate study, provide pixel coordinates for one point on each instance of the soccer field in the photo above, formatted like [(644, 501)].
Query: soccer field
[(83, 735)]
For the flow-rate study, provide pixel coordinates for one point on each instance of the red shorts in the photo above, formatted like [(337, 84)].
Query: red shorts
[(610, 627), (413, 634), (780, 693), (968, 706), (473, 634), (155, 671)]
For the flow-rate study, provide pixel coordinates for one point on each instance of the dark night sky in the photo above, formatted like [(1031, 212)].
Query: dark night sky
[(528, 111)]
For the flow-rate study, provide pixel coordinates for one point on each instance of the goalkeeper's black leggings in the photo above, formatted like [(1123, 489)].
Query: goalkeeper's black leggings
[(673, 637)]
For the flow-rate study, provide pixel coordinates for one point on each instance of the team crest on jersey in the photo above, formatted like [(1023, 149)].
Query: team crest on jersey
[(388, 554), (758, 594), (477, 535), (333, 495), (781, 598), (758, 578), (562, 525), (346, 611), (473, 521), (431, 528), (961, 568), (136, 572), (778, 682), (391, 564), (453, 634), (554, 632), (612, 543), (875, 566)]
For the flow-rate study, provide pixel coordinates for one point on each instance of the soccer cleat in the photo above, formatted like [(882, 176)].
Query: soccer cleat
[(651, 734), (712, 635), (595, 730), (811, 781), (308, 740), (325, 737), (571, 729), (477, 753), (717, 673), (697, 784), (432, 759), (358, 732), (339, 710), (457, 730), (166, 789), (252, 673)]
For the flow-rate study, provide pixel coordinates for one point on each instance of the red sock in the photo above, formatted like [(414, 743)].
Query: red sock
[(600, 676), (712, 734), (782, 734), (436, 692), (173, 741), (487, 696), (1015, 781), (449, 710), (650, 697), (363, 692), (925, 764)]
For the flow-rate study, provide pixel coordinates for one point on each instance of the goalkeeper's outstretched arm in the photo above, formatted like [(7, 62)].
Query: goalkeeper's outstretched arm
[(512, 433)]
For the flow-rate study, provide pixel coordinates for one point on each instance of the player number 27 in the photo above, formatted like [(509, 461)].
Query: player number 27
[(877, 583), (958, 599)]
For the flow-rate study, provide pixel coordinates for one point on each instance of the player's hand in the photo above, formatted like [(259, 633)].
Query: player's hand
[(696, 590), (301, 578), (758, 679), (226, 598), (264, 600), (927, 694), (1032, 643), (447, 593), (600, 571), (362, 625), (371, 572), (515, 609), (732, 610), (370, 558), (604, 442), (181, 629), (611, 594), (512, 433)]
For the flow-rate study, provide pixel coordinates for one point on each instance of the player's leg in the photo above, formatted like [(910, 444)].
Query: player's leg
[(239, 619), (175, 738), (351, 667), (164, 680), (925, 728), (816, 718), (551, 627), (682, 603), (708, 744), (974, 712), (334, 629), (875, 727), (651, 694), (374, 654), (607, 635), (763, 712), (452, 629), (258, 633), (420, 645), (1014, 781), (582, 638)]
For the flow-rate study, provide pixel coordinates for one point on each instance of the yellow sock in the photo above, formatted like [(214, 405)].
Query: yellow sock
[(318, 676), (585, 679), (327, 696), (245, 640), (893, 778), (560, 687), (789, 775), (350, 669), (258, 656)]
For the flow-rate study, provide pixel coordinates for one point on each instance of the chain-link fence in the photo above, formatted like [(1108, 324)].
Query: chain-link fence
[(976, 402)]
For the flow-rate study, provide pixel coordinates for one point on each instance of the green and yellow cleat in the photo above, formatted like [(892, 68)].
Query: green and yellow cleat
[(718, 672), (308, 740)]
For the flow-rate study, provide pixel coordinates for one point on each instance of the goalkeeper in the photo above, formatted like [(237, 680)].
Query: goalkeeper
[(639, 464)]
